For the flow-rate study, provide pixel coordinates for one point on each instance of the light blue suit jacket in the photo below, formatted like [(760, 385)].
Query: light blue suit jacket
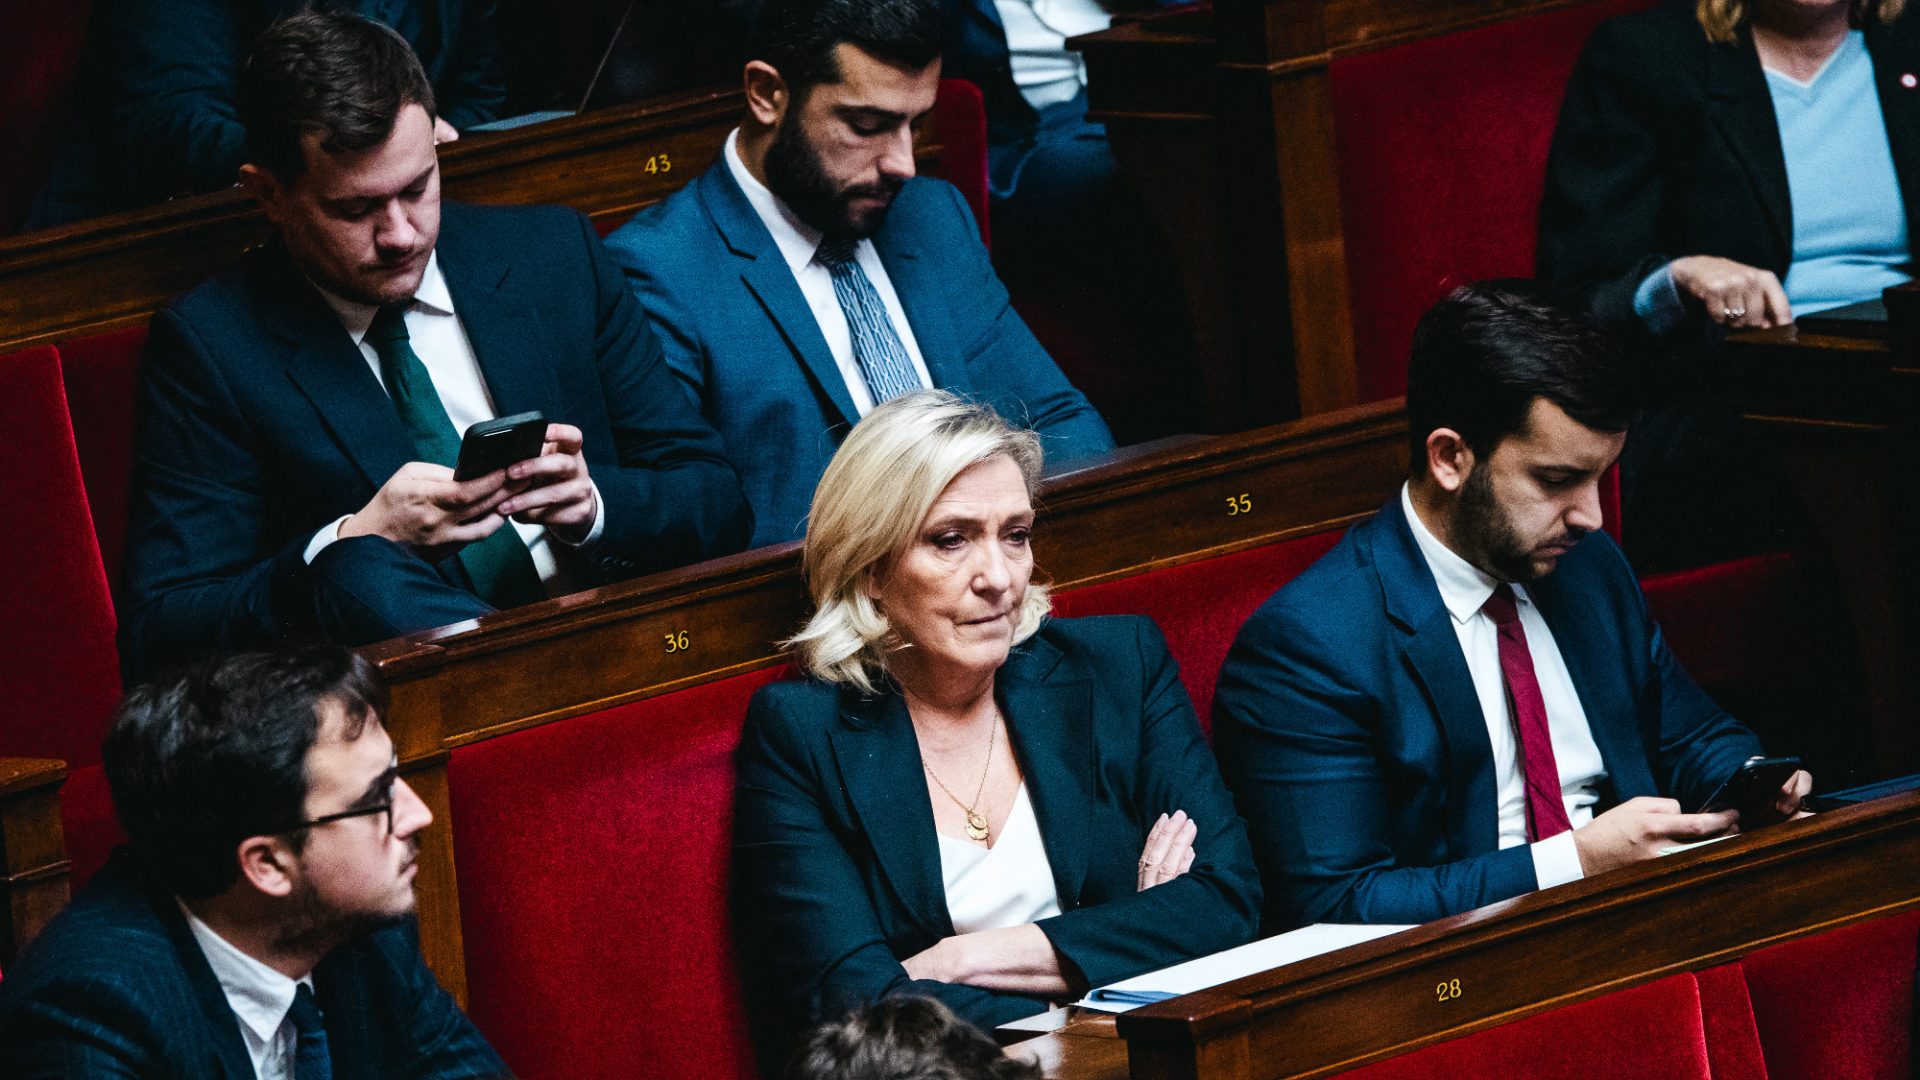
[(737, 329)]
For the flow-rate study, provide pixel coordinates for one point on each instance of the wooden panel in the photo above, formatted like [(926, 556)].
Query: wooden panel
[(33, 857), (435, 884), (111, 271), (1551, 948), (1146, 507)]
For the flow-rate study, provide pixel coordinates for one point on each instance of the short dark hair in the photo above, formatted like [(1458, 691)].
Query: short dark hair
[(213, 753), (904, 1038), (798, 36), (333, 74), (1485, 352)]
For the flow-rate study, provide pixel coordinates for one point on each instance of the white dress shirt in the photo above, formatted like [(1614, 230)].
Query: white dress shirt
[(1008, 884), (798, 242), (1464, 589), (441, 343), (1044, 69), (259, 997)]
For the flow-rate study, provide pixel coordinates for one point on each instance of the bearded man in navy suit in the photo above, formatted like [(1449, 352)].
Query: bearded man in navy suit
[(808, 274), (1466, 700), (301, 412)]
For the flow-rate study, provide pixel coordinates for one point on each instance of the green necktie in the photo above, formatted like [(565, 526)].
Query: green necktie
[(502, 571)]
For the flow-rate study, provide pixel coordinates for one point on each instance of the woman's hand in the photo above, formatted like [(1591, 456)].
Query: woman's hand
[(1169, 850), (1735, 295), (1016, 959)]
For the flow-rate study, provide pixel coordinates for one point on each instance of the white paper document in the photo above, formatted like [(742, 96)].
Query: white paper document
[(1251, 959)]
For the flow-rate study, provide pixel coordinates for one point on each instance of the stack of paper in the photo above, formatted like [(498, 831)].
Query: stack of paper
[(1263, 955)]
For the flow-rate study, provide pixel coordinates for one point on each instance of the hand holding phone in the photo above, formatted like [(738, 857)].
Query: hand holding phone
[(1753, 790), (492, 445)]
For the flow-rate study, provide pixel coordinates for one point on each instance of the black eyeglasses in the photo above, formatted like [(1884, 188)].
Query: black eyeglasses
[(326, 819)]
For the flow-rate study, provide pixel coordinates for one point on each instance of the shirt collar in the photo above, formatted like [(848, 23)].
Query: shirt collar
[(796, 239), (431, 297), (1464, 587), (258, 995)]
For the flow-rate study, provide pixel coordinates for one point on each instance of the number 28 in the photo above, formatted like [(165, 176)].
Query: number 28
[(1447, 991)]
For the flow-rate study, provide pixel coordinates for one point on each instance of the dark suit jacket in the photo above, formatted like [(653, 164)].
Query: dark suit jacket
[(739, 333), (1348, 728), (1668, 146), (157, 115), (836, 865), (261, 423), (116, 986)]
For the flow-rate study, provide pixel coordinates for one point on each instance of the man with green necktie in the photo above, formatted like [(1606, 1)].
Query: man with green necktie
[(302, 412)]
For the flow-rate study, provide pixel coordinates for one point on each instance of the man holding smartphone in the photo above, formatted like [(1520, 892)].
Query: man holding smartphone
[(301, 412), (1466, 699)]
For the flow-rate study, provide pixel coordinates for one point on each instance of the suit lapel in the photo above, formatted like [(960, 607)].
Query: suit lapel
[(877, 752), (1433, 652), (1900, 109), (324, 363), (1591, 649), (766, 275), (515, 351), (1739, 103), (223, 1027), (1050, 721), (923, 296), (339, 985)]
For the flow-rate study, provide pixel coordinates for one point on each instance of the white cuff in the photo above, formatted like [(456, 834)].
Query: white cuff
[(324, 537), (599, 522), (1556, 860)]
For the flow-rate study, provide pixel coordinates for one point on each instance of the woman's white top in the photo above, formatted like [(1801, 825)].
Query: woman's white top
[(1009, 884)]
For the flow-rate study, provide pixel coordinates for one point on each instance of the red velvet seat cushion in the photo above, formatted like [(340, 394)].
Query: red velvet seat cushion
[(1200, 606), (61, 678), (103, 388), (1839, 1004), (1442, 156), (1733, 1040), (1653, 1030), (40, 43), (592, 858)]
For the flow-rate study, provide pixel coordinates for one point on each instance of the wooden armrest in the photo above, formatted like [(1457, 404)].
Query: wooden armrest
[(33, 850)]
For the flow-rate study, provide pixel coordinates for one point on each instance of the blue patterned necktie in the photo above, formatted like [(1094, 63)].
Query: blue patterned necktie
[(883, 360), (311, 1059), (502, 571)]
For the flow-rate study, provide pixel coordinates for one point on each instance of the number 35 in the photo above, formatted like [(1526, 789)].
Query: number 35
[(1239, 504)]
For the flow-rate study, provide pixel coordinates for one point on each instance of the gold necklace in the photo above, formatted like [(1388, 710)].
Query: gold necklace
[(976, 822)]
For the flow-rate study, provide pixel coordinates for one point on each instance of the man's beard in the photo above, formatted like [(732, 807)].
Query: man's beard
[(795, 175), (1486, 536), (314, 925)]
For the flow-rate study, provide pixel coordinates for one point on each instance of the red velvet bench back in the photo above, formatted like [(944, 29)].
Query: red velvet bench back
[(1442, 157)]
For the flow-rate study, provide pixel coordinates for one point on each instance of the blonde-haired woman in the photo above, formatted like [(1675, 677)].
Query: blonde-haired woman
[(1737, 162), (965, 799)]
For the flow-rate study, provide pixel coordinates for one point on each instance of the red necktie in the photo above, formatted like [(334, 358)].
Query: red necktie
[(1546, 810)]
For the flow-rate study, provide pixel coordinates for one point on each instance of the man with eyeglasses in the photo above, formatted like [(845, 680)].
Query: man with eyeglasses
[(258, 922)]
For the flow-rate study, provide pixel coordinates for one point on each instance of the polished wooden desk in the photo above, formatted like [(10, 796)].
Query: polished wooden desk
[(1842, 410), (1684, 912), (114, 271), (33, 856)]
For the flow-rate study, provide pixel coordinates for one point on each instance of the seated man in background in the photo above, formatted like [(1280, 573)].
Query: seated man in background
[(808, 276), (258, 922), (1466, 700), (302, 411), (904, 1038), (156, 110)]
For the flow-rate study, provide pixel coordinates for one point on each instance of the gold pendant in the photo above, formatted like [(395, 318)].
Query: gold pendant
[(976, 826)]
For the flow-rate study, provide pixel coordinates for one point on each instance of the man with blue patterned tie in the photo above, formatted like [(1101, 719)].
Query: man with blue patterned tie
[(808, 275), (257, 926)]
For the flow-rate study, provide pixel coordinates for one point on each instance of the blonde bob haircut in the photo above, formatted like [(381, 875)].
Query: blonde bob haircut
[(1721, 19), (868, 510)]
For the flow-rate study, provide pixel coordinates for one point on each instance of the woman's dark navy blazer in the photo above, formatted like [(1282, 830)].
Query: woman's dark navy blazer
[(836, 865)]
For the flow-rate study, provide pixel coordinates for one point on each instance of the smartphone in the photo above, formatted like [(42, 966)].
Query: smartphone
[(492, 445), (1752, 787)]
